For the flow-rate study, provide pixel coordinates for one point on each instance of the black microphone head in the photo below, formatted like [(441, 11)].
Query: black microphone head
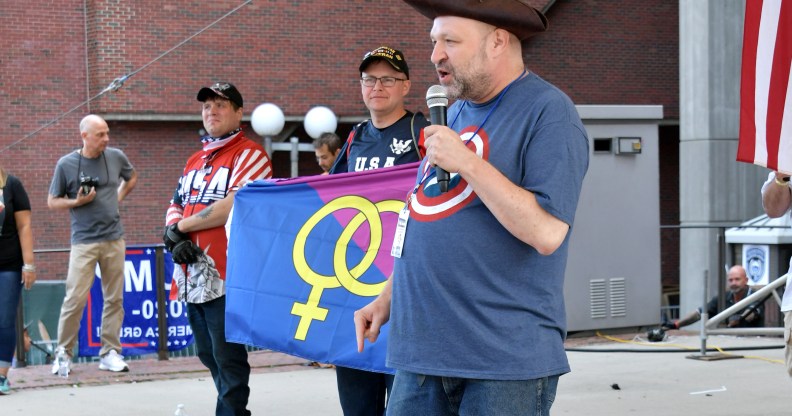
[(436, 95)]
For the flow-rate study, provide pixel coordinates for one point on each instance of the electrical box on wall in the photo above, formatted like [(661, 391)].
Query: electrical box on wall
[(613, 274), (628, 145)]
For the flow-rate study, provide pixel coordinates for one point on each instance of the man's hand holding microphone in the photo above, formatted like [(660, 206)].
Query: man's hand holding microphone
[(444, 148)]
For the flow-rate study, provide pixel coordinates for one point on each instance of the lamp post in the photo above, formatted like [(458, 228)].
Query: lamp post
[(267, 121), (319, 120)]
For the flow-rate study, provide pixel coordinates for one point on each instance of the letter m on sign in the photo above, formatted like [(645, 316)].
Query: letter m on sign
[(765, 91)]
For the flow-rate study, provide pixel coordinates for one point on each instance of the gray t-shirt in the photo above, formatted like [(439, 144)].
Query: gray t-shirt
[(98, 220)]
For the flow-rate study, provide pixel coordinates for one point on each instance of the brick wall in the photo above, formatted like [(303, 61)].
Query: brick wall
[(295, 53), (612, 52)]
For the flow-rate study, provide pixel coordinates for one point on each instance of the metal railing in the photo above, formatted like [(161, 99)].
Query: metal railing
[(42, 350), (724, 256), (710, 327)]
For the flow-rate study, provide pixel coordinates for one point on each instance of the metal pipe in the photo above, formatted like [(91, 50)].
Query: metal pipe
[(268, 145), (772, 331), (704, 316), (295, 156), (162, 308), (21, 355)]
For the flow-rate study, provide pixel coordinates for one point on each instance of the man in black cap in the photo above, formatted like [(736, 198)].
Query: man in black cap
[(391, 137), (195, 236), (476, 299)]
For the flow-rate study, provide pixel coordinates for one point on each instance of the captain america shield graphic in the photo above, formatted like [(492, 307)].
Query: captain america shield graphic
[(428, 203)]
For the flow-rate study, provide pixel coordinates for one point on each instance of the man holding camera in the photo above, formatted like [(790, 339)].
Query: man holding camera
[(195, 236), (91, 182)]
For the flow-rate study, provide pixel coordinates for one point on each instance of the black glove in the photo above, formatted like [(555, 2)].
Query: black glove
[(173, 236), (749, 314), (185, 252)]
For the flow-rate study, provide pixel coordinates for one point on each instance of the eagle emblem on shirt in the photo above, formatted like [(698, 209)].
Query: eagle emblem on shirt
[(399, 147)]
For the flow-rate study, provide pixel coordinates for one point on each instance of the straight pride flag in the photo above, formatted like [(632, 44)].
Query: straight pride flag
[(765, 93), (304, 254)]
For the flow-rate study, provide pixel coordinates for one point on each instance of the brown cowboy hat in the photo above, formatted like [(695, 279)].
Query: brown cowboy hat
[(515, 16)]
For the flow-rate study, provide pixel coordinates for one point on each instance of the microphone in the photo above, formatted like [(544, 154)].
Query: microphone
[(437, 101)]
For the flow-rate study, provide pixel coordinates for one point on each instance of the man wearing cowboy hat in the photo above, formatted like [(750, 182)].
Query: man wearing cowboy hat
[(476, 299)]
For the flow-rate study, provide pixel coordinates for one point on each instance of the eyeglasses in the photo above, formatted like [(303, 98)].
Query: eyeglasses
[(385, 81)]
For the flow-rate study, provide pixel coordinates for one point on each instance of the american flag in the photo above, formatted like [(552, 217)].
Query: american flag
[(765, 92)]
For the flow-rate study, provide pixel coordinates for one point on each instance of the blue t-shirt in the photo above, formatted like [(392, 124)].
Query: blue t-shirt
[(469, 299), (368, 147)]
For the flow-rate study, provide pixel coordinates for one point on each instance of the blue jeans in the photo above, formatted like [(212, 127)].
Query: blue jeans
[(10, 289), (362, 393), (417, 394), (225, 360)]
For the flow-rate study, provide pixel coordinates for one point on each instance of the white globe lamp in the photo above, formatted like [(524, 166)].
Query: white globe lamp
[(267, 120), (319, 120)]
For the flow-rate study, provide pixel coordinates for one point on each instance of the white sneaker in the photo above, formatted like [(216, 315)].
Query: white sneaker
[(113, 361), (62, 363)]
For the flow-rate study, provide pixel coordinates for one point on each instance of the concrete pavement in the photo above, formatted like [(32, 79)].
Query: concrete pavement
[(649, 383), (653, 383)]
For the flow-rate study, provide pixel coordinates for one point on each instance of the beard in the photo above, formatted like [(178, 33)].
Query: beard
[(469, 87), (471, 82)]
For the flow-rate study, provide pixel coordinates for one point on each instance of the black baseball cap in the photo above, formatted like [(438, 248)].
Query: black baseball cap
[(392, 56), (223, 90)]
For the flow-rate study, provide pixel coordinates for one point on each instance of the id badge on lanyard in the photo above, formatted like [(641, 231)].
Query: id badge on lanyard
[(401, 231)]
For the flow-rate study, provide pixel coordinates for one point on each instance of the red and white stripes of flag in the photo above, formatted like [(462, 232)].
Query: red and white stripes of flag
[(765, 91)]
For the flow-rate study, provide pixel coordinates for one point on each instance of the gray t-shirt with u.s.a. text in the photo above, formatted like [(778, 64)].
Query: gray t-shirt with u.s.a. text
[(98, 220)]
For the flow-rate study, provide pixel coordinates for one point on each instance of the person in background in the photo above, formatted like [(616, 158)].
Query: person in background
[(750, 317), (17, 265), (777, 201), (326, 148), (196, 237), (392, 136), (91, 183), (476, 299)]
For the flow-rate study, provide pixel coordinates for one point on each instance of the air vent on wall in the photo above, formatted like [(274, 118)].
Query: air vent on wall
[(598, 298), (618, 297)]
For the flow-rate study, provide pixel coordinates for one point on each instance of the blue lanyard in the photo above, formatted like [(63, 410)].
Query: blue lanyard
[(431, 171), (489, 113)]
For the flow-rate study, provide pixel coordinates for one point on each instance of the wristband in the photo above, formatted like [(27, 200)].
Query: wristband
[(783, 182), (29, 268)]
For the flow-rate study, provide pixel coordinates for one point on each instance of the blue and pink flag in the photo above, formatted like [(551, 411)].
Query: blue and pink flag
[(304, 254)]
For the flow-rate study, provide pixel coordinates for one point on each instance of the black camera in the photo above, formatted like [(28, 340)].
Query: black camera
[(87, 182)]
